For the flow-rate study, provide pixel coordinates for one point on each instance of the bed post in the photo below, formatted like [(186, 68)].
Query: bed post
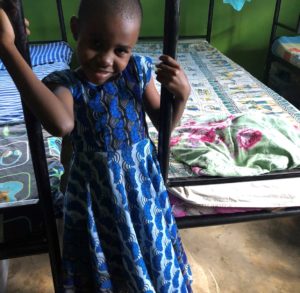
[(61, 20), (273, 34), (34, 131), (210, 19), (171, 27)]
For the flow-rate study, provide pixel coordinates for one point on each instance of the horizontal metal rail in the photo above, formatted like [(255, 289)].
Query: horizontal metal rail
[(203, 180), (223, 219)]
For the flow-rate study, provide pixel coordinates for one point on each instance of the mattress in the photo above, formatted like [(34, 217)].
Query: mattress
[(220, 86), (288, 48)]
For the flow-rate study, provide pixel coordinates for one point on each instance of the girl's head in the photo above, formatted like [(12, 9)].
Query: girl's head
[(106, 32)]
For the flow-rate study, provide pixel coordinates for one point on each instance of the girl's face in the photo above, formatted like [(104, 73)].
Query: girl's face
[(104, 45)]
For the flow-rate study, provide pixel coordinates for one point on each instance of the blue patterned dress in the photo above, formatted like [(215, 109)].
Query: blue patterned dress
[(120, 234)]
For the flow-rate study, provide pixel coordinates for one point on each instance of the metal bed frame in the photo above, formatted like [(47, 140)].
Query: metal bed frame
[(271, 57), (46, 239), (171, 28)]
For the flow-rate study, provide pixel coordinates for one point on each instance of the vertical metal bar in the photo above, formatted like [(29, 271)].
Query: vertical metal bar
[(171, 27), (61, 20), (272, 37), (14, 10), (210, 20)]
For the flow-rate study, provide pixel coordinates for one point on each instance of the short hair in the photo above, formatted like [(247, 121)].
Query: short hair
[(130, 9)]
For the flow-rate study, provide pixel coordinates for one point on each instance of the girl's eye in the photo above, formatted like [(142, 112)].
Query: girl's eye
[(122, 51), (97, 45)]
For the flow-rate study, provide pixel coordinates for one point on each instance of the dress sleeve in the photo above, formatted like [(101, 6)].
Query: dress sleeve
[(62, 78), (144, 68)]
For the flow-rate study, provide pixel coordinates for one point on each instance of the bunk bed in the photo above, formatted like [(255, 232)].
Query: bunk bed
[(37, 209), (283, 48), (30, 163), (206, 63), (282, 69)]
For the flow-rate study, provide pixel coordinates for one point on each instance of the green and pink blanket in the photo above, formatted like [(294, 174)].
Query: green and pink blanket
[(237, 145)]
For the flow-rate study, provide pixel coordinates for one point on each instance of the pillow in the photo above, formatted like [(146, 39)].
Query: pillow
[(48, 53)]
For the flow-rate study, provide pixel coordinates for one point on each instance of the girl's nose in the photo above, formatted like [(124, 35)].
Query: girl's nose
[(104, 59)]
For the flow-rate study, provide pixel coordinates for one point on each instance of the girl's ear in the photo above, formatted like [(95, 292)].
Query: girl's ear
[(74, 24)]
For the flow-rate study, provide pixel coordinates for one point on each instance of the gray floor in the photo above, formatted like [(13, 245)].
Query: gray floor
[(260, 257)]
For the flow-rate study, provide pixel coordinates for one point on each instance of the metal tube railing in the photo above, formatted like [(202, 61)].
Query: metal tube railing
[(171, 27)]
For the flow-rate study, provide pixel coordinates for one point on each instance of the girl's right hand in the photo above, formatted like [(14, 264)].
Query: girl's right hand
[(7, 35)]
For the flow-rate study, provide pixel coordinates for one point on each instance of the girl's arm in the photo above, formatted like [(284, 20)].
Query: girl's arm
[(170, 75), (53, 109)]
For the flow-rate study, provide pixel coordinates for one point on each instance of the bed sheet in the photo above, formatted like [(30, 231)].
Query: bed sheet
[(219, 85)]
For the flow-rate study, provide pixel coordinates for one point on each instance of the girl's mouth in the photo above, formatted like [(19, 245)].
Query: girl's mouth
[(103, 74)]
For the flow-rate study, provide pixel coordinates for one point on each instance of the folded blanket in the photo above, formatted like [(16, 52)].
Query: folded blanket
[(238, 145)]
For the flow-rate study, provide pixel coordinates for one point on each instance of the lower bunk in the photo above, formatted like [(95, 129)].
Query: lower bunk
[(22, 225), (21, 221), (233, 129)]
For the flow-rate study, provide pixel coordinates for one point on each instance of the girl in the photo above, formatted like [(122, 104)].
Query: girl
[(119, 231)]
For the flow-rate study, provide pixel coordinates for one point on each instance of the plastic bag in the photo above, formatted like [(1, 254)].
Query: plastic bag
[(236, 4)]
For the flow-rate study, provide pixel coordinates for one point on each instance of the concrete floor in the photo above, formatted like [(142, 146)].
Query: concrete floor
[(253, 257)]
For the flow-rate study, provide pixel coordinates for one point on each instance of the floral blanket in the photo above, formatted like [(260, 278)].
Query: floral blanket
[(245, 144)]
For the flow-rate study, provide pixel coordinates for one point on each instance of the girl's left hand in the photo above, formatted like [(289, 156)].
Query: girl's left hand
[(170, 74), (26, 24)]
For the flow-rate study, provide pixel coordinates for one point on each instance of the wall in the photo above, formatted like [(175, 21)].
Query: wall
[(243, 36)]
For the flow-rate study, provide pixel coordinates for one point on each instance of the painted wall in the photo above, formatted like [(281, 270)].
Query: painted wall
[(243, 36)]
